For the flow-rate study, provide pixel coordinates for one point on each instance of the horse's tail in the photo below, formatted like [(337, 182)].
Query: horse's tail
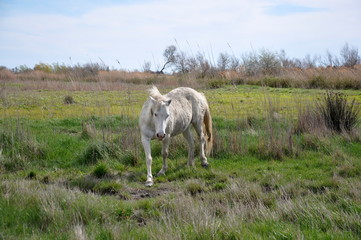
[(207, 130)]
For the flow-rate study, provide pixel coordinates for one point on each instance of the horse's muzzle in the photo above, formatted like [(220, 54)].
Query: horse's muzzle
[(160, 136)]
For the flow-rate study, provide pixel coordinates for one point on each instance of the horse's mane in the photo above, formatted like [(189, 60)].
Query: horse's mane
[(154, 93)]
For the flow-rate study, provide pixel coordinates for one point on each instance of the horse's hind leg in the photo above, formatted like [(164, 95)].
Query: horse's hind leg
[(165, 153), (188, 136), (199, 129)]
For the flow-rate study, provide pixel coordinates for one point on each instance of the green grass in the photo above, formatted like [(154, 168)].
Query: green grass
[(78, 171)]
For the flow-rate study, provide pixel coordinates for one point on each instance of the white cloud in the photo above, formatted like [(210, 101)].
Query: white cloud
[(135, 32)]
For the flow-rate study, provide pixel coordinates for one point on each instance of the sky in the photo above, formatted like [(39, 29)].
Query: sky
[(124, 34)]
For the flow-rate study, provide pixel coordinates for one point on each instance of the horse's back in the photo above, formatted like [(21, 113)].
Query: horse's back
[(187, 93), (196, 101)]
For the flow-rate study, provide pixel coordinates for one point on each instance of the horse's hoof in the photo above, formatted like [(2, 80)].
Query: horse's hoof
[(161, 173), (149, 183), (205, 165)]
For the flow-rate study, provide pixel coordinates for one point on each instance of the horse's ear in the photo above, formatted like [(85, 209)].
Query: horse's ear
[(167, 103), (152, 99)]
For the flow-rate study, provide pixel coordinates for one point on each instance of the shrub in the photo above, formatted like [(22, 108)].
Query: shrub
[(337, 113), (6, 74), (101, 171), (276, 82), (43, 67), (216, 83), (69, 100), (94, 152), (318, 82)]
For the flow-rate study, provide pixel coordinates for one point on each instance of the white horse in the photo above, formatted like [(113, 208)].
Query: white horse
[(165, 116)]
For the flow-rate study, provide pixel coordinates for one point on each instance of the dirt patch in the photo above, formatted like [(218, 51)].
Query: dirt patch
[(141, 193)]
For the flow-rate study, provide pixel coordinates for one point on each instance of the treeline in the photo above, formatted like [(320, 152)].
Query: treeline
[(252, 63), (85, 69), (262, 67), (264, 62)]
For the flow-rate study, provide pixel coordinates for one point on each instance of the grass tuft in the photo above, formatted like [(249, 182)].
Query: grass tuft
[(69, 99), (338, 114), (101, 170)]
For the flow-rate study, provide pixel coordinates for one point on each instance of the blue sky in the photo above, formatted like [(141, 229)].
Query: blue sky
[(131, 32)]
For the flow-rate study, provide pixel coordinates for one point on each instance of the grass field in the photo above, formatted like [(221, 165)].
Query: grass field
[(72, 167)]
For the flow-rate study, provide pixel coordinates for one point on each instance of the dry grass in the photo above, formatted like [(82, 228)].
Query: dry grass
[(324, 78), (6, 75), (224, 214)]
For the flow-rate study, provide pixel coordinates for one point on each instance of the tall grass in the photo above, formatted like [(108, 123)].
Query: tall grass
[(337, 113), (316, 77)]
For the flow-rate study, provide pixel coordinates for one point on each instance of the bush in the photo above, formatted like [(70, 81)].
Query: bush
[(43, 68), (69, 100), (216, 83), (337, 113), (276, 82), (318, 82), (6, 74), (101, 171), (94, 152)]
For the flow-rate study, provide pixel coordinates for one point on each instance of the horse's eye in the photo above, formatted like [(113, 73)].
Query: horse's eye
[(155, 114)]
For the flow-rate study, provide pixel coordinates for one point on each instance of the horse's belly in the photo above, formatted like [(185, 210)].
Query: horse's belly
[(181, 124)]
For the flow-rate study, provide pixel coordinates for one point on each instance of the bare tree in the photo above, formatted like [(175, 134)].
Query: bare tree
[(181, 62), (349, 56), (310, 62), (330, 60), (269, 62), (169, 55), (234, 63), (251, 63), (286, 62), (205, 67), (223, 61)]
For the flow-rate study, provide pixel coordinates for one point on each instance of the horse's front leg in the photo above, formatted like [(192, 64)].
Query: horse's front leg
[(148, 159), (165, 153)]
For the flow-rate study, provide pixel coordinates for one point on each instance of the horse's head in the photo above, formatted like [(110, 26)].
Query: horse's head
[(160, 114)]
